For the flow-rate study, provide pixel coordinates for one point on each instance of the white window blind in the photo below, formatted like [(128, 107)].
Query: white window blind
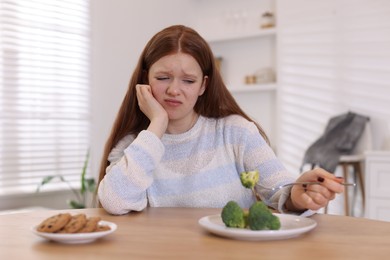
[(334, 57), (44, 91)]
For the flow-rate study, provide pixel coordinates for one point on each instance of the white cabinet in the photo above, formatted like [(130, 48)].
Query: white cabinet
[(242, 56), (233, 30), (377, 181), (245, 54)]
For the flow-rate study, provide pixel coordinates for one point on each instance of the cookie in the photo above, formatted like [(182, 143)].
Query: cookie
[(102, 228), (54, 223), (76, 223), (91, 225)]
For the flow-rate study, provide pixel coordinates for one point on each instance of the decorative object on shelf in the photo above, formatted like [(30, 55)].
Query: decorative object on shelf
[(218, 62), (250, 79), (236, 20), (265, 75), (267, 20), (262, 76)]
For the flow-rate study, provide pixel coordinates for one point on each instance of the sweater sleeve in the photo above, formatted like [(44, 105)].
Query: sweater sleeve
[(255, 153), (130, 173)]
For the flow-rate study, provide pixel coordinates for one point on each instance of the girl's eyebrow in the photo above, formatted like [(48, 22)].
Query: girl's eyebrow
[(190, 75), (162, 71)]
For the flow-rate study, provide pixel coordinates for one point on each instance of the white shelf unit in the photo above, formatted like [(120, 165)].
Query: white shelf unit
[(231, 36), (233, 30), (377, 179), (254, 88), (242, 55)]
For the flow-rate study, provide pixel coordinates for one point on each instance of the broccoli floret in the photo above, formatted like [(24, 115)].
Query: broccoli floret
[(249, 179), (233, 215), (246, 215), (274, 224), (260, 217)]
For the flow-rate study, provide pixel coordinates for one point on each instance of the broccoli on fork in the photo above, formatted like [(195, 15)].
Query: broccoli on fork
[(249, 180)]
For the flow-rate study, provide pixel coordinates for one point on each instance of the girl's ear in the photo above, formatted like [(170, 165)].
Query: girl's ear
[(204, 85)]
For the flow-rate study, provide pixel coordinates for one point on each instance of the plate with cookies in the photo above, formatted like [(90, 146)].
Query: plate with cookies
[(73, 229)]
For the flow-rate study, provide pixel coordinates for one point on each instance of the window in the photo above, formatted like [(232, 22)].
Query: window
[(44, 91), (334, 57)]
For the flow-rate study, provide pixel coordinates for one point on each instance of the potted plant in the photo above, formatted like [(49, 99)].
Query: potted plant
[(87, 185)]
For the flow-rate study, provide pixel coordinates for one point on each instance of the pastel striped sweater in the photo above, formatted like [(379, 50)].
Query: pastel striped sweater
[(198, 168)]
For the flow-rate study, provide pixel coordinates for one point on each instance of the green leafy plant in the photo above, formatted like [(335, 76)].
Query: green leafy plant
[(88, 185)]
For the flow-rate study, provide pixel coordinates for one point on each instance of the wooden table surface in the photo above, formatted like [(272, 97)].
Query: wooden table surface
[(174, 233)]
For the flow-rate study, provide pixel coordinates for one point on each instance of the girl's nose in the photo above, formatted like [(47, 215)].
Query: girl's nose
[(173, 88)]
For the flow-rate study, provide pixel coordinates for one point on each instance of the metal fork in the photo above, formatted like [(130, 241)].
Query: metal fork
[(300, 183)]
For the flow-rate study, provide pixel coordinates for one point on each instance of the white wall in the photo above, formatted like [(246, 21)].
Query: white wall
[(120, 30), (334, 57)]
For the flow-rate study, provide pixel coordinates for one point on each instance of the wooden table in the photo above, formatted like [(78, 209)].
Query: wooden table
[(174, 233)]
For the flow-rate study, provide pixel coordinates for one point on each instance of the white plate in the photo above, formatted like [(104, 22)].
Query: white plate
[(77, 238), (291, 226)]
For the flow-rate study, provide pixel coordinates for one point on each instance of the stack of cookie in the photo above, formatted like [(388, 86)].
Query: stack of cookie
[(66, 223)]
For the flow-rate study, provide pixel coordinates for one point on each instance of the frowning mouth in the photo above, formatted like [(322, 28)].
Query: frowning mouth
[(172, 102)]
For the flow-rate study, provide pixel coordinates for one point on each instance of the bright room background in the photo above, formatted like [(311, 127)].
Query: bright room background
[(328, 57)]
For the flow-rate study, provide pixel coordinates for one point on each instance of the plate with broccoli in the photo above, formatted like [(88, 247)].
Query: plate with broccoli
[(256, 223), (290, 226)]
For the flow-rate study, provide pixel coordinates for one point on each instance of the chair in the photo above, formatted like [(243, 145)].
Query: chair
[(343, 143), (354, 162)]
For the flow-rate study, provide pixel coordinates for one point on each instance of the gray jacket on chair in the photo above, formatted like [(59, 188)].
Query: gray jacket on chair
[(340, 137)]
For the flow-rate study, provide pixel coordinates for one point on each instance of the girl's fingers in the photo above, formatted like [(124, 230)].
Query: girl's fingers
[(314, 196), (327, 179), (319, 189), (308, 201)]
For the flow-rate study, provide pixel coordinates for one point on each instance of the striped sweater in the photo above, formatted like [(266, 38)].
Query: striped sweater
[(198, 168)]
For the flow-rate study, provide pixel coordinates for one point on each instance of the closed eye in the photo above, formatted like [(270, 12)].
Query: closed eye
[(189, 81), (162, 78)]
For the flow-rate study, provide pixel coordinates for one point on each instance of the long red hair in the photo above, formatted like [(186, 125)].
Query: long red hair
[(216, 101)]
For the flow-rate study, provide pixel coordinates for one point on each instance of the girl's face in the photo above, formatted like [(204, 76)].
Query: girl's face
[(177, 81)]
